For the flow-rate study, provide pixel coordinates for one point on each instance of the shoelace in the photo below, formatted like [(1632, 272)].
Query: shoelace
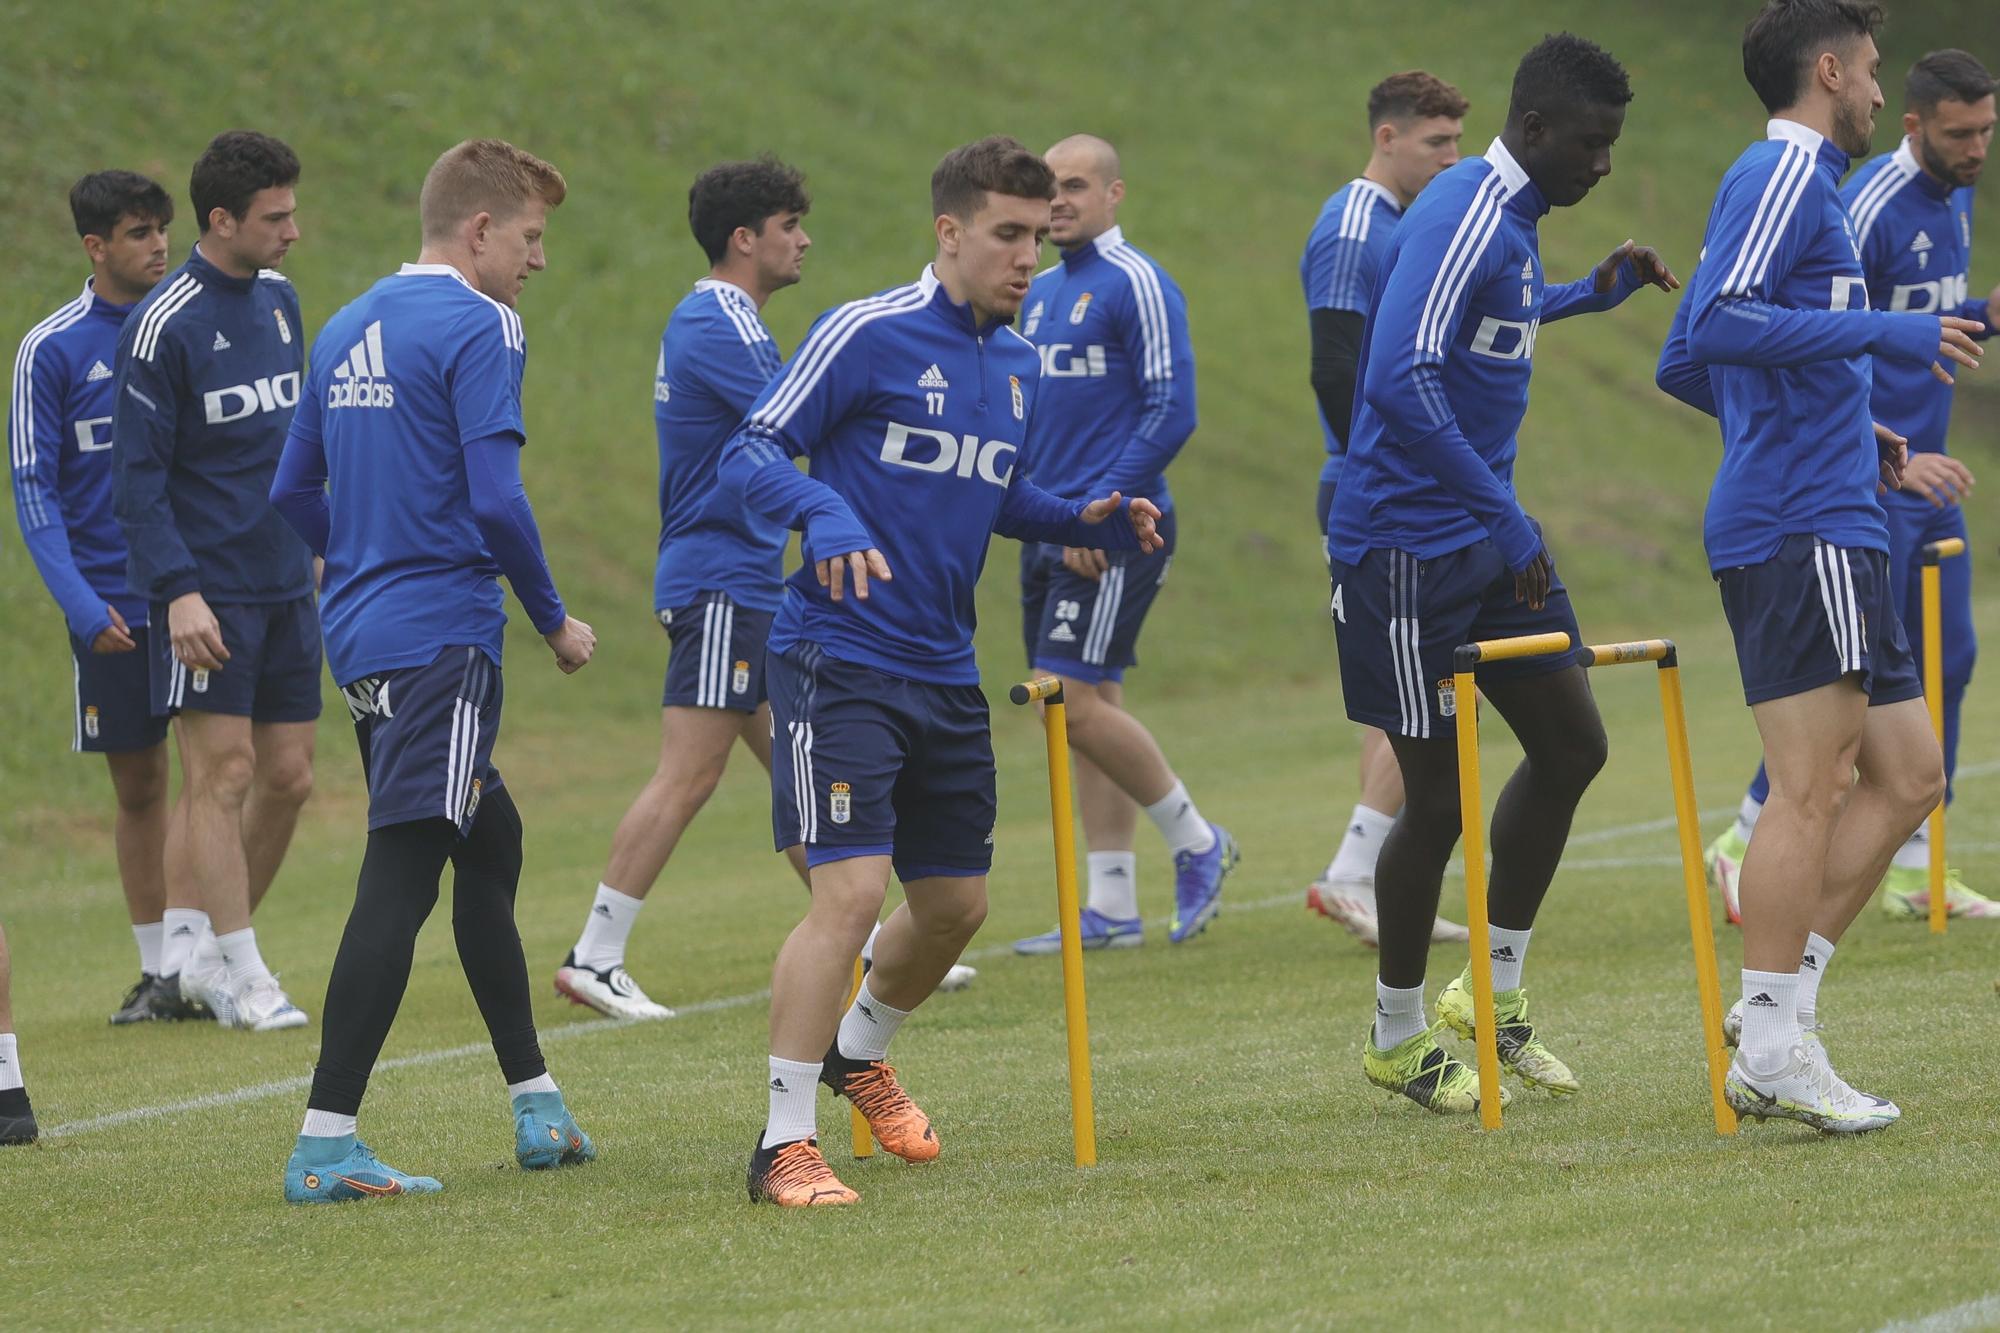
[(264, 997), (798, 1165), (1832, 1090), (874, 1091)]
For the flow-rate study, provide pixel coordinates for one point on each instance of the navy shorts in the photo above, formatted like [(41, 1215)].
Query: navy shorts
[(716, 657), (1399, 620), (864, 763), (1088, 629), (426, 735), (273, 670), (114, 706), (1812, 614)]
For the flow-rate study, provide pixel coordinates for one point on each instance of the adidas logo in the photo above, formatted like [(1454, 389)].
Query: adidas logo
[(866, 1012), (933, 379), (179, 931), (1810, 961), (602, 909), (1357, 830), (1763, 1000), (1528, 271), (359, 380), (100, 371), (1115, 872), (221, 343), (778, 1085), (1062, 633), (1504, 954), (1380, 1010), (1921, 244)]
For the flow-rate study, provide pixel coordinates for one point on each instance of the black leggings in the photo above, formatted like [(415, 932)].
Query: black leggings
[(1556, 721), (397, 889)]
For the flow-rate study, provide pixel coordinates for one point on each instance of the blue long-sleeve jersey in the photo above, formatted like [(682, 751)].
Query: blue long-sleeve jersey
[(1916, 250), (1774, 337), (1117, 372), (716, 356), (208, 374), (1342, 257), (1444, 371), (59, 438), (912, 417)]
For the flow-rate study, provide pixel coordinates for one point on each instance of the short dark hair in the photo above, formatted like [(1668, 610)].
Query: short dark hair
[(742, 194), (1950, 75), (99, 200), (1565, 70), (1414, 95), (993, 165), (235, 165), (1781, 43)]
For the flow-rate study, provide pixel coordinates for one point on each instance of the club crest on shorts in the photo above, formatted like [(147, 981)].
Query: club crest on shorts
[(1448, 697), (90, 721), (1014, 383), (201, 680), (739, 680), (472, 801), (1080, 309), (840, 803), (284, 329)]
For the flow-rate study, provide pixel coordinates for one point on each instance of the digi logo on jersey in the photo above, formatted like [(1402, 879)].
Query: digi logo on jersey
[(359, 378), (941, 451), (1506, 339), (267, 393), (1931, 298), (1064, 361)]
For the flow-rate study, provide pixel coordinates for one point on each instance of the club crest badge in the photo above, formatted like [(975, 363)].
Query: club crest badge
[(1447, 697), (1020, 407), (472, 801), (201, 680), (739, 681), (1080, 309), (840, 803), (90, 721), (284, 329)]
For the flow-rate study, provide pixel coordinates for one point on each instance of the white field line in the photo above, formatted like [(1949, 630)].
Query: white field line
[(1975, 1314), (289, 1086)]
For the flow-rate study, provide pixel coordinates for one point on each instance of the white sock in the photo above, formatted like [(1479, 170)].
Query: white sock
[(326, 1125), (1770, 1020), (868, 945), (1114, 884), (1746, 816), (1916, 853), (1509, 949), (239, 954), (10, 1062), (601, 947), (149, 938), (542, 1082), (868, 1025), (794, 1106), (182, 930), (1179, 822), (1812, 970), (1355, 860), (1399, 1014)]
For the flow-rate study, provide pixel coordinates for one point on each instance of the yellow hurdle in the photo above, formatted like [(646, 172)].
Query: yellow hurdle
[(1934, 696), (1055, 725), (864, 1141), (1472, 815)]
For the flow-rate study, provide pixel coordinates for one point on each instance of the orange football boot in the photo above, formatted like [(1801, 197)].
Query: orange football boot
[(794, 1175), (871, 1086)]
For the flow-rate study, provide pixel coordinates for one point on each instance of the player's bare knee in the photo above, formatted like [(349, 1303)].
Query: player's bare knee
[(224, 777), (287, 781)]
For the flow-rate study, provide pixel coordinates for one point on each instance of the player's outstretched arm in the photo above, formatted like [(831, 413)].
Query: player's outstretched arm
[(1031, 514), (1623, 272)]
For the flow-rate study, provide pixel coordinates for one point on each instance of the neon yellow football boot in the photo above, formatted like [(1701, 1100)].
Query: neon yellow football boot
[(1520, 1049)]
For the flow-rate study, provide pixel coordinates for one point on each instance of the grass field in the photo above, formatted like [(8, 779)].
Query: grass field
[(1250, 1176)]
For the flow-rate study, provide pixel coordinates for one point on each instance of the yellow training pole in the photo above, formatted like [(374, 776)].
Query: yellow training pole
[(1055, 724), (864, 1141), (1472, 823), (1934, 697)]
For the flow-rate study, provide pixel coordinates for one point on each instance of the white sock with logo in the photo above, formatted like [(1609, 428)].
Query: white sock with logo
[(1399, 1014), (1508, 949), (1916, 853), (10, 1062), (1179, 822), (1770, 1021), (868, 1025), (601, 947), (182, 929), (149, 938), (1114, 884), (794, 1107), (326, 1125), (1812, 970), (1354, 862), (1746, 816), (240, 956)]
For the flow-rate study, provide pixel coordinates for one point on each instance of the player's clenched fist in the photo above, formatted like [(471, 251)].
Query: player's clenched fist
[(573, 643)]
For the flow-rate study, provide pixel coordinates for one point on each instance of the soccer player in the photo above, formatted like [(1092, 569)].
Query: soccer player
[(1912, 213), (912, 406), (60, 433), (1430, 549), (17, 1115), (1117, 404), (207, 376), (1775, 338), (404, 470), (1415, 121)]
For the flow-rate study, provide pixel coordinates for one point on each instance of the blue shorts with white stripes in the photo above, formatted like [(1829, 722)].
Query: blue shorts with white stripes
[(864, 763), (1399, 620), (426, 736), (272, 674), (717, 655), (114, 710), (1088, 629), (1813, 613)]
